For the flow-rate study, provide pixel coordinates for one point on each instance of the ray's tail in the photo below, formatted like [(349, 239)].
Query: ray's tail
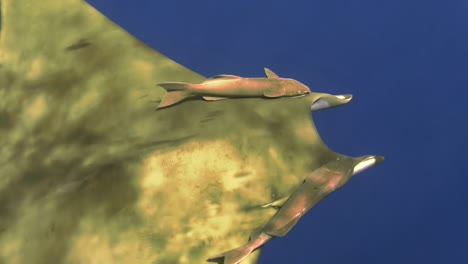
[(176, 92)]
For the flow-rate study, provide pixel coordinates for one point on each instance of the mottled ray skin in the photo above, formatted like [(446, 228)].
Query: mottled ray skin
[(230, 86), (90, 173)]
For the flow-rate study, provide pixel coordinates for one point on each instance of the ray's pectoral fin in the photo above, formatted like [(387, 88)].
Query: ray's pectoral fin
[(274, 91), (214, 98)]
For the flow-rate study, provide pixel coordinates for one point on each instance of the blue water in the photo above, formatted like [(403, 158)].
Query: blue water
[(405, 62)]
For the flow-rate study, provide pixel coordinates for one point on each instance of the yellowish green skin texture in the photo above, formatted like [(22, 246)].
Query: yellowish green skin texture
[(90, 173)]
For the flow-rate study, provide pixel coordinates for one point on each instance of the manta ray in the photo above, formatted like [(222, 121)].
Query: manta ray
[(90, 173)]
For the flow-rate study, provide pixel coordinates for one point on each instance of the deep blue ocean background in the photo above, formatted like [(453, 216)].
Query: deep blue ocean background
[(405, 62)]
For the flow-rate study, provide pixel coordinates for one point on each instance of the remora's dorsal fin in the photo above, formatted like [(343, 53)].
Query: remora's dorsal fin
[(270, 74), (226, 76)]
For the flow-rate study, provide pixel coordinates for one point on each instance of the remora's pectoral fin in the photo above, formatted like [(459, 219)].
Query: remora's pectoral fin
[(277, 203), (225, 76), (213, 98), (270, 74), (274, 91)]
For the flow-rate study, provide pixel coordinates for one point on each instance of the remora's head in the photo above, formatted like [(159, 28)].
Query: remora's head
[(294, 88), (325, 101), (365, 162)]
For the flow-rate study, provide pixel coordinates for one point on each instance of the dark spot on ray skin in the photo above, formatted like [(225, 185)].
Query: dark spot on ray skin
[(274, 192), (211, 116), (5, 120), (241, 174), (251, 208), (165, 143), (197, 251), (212, 193), (79, 45), (217, 260), (83, 137), (206, 120), (214, 113), (158, 240), (167, 260)]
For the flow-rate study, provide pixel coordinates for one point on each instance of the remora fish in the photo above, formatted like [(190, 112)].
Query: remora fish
[(230, 86), (316, 186)]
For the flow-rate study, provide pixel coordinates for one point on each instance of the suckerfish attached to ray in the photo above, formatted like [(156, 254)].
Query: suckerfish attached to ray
[(230, 86), (316, 186)]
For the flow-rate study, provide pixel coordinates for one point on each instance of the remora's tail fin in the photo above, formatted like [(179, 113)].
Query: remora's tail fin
[(173, 98), (176, 92), (176, 86), (234, 256)]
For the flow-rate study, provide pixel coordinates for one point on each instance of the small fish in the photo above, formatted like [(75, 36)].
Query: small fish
[(230, 86)]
